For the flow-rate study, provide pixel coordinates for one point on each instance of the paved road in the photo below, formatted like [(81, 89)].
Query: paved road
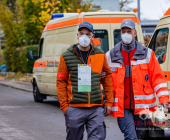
[(23, 119)]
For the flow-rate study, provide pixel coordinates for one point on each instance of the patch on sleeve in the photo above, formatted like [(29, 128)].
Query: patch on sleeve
[(59, 75)]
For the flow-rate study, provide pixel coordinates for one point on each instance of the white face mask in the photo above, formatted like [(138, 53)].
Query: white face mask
[(126, 38), (84, 41)]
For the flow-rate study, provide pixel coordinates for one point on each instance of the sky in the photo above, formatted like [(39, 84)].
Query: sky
[(151, 9)]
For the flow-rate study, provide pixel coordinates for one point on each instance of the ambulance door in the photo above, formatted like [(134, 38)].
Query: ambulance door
[(159, 44), (49, 59), (101, 25), (39, 67), (64, 38)]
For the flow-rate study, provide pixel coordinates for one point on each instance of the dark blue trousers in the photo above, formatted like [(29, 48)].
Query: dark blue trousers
[(131, 125)]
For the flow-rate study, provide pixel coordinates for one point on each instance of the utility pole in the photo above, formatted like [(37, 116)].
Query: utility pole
[(139, 9)]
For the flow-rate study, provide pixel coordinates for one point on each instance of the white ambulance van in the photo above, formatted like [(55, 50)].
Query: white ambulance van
[(61, 32), (160, 44)]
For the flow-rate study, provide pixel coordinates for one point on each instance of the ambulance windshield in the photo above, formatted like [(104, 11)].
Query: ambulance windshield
[(103, 36)]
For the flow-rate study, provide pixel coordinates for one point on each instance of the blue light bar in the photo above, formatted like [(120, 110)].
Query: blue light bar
[(57, 15)]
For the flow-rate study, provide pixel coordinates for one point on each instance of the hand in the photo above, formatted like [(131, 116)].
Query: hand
[(107, 110), (103, 74), (166, 105)]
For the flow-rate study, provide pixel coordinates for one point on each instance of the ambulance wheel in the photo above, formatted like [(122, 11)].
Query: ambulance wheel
[(38, 97)]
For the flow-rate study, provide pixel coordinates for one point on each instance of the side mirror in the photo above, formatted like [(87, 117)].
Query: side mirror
[(96, 42), (30, 56)]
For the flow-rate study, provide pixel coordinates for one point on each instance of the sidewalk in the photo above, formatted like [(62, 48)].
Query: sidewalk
[(26, 86)]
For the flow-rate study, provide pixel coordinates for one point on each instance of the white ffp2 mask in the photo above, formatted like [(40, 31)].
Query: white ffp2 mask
[(126, 38), (84, 41)]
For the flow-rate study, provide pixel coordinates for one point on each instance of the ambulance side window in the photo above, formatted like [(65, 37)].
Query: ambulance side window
[(40, 48), (159, 44), (117, 36), (103, 36)]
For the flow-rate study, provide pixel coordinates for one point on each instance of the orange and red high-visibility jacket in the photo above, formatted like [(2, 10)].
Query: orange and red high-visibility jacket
[(147, 78)]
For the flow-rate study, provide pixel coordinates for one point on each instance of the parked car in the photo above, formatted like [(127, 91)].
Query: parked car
[(3, 69)]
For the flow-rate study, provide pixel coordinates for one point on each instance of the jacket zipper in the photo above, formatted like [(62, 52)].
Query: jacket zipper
[(84, 63), (129, 76)]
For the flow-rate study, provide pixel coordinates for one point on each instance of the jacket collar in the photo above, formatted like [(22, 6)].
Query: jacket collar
[(72, 48), (116, 54), (141, 52)]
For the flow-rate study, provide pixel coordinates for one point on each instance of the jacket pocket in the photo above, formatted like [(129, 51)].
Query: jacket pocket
[(148, 89)]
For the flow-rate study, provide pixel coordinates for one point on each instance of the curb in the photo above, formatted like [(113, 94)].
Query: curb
[(24, 89)]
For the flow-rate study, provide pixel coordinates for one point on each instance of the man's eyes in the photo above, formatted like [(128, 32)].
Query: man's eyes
[(127, 32)]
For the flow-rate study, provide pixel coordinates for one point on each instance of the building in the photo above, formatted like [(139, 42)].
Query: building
[(148, 26), (112, 5)]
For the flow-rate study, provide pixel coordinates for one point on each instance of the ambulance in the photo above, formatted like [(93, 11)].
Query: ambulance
[(159, 44), (61, 32)]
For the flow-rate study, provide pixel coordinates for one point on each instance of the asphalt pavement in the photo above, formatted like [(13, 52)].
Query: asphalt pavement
[(23, 119)]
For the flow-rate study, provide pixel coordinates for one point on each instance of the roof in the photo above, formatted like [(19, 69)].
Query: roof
[(101, 16)]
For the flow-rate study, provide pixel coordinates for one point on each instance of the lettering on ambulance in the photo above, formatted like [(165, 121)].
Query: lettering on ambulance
[(93, 20), (46, 64)]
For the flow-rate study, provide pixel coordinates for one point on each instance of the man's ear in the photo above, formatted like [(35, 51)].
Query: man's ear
[(93, 36), (135, 33), (77, 35)]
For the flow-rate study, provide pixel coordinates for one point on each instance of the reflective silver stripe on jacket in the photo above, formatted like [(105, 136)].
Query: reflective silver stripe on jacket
[(141, 106), (117, 65), (114, 108), (144, 97), (143, 61), (162, 93), (115, 100), (160, 86)]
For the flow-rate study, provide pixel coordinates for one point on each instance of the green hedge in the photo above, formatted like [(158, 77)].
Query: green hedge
[(16, 59)]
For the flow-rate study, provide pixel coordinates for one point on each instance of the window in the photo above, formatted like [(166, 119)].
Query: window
[(117, 36), (151, 44), (103, 36), (40, 48), (161, 45)]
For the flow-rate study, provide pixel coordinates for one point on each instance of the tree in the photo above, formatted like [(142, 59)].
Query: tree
[(124, 5), (38, 12), (84, 6), (12, 26)]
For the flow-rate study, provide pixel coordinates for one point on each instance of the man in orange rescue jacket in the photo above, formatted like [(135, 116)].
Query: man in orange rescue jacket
[(78, 87), (136, 76)]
